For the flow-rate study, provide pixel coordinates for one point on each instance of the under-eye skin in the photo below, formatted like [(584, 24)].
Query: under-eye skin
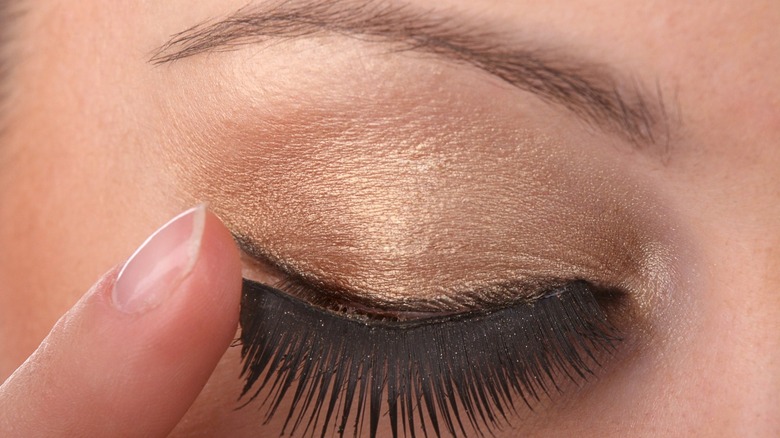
[(453, 374)]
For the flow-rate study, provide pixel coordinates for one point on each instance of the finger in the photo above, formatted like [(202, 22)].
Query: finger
[(131, 356)]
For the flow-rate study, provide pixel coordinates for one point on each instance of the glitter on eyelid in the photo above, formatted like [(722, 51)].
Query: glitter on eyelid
[(430, 199)]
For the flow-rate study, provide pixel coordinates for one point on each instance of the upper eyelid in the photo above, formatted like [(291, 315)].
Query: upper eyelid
[(327, 295)]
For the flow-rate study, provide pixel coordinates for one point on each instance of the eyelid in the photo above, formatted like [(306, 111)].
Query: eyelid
[(330, 296)]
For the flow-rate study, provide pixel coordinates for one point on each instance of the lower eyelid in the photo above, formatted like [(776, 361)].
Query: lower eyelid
[(487, 363)]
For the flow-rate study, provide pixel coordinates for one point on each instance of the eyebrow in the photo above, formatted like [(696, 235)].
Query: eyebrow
[(592, 91)]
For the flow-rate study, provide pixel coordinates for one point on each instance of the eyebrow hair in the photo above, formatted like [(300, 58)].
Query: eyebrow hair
[(590, 90)]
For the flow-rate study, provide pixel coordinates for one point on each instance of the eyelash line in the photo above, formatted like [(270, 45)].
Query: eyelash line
[(319, 293), (427, 370)]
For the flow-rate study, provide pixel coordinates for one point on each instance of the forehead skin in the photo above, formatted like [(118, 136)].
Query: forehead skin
[(89, 123)]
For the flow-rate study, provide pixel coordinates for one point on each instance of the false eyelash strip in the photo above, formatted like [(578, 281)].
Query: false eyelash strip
[(453, 374)]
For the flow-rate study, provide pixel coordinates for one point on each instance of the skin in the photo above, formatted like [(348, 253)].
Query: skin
[(100, 147)]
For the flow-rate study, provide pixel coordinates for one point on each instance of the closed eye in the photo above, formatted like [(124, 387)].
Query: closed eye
[(455, 373)]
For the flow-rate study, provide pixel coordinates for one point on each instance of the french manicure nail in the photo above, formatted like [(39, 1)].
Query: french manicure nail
[(159, 265)]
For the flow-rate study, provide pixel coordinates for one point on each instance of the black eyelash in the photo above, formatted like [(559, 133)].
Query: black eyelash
[(453, 374)]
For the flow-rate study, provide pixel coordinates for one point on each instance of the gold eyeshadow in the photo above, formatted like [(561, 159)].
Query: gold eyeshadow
[(413, 178), (352, 216), (424, 190)]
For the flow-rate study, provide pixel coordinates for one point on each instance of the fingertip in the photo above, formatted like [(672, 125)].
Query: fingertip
[(209, 306), (141, 344), (221, 248)]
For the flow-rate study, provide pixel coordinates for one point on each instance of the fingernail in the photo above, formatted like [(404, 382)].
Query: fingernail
[(161, 263)]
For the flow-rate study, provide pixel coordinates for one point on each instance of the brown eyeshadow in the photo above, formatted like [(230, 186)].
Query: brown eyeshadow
[(422, 194)]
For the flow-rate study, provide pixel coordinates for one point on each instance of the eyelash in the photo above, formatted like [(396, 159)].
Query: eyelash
[(468, 367)]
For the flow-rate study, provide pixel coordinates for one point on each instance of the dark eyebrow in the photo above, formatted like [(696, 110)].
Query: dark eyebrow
[(590, 90)]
